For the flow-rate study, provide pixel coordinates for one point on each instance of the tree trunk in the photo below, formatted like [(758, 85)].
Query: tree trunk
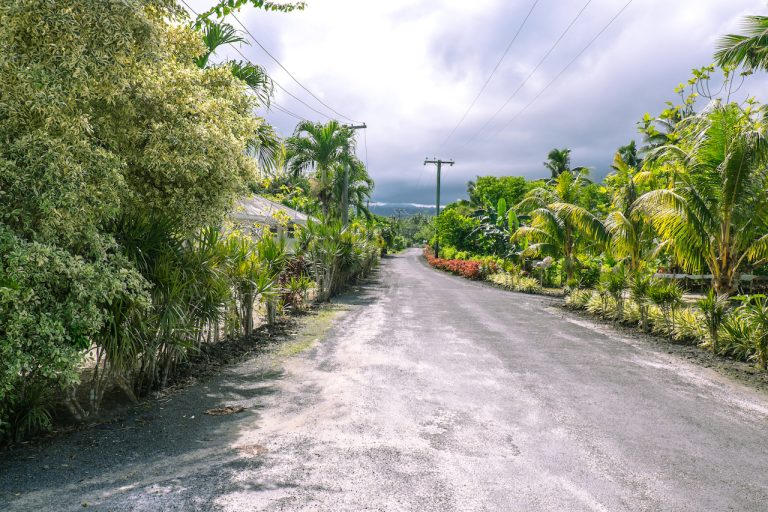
[(724, 284)]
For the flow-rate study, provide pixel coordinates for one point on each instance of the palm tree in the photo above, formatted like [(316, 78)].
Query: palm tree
[(322, 147), (631, 238), (216, 35), (749, 49), (716, 209), (359, 187), (267, 146), (557, 222), (559, 161), (630, 155)]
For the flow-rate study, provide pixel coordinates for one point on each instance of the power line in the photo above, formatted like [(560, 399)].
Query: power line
[(488, 80), (574, 59), (286, 91), (284, 110), (288, 72), (538, 65)]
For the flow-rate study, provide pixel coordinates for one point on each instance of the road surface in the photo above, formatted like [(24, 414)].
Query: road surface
[(431, 393)]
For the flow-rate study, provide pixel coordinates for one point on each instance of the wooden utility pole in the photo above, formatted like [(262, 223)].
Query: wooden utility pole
[(345, 191), (437, 212)]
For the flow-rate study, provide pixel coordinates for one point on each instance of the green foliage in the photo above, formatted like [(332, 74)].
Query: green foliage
[(737, 335), (328, 149), (225, 7), (118, 153), (712, 216), (639, 286), (336, 254), (714, 308), (490, 189), (667, 296), (614, 282), (559, 161), (559, 227), (749, 49), (456, 230), (51, 304), (515, 282), (578, 299)]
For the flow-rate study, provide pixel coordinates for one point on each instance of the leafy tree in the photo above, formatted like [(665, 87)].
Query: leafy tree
[(224, 7), (497, 224), (217, 34), (456, 230), (489, 189), (630, 155), (104, 116)]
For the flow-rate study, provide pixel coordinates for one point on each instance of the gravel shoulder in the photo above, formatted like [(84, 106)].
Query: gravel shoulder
[(131, 452)]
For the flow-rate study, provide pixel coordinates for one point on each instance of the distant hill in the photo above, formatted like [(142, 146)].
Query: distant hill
[(404, 209)]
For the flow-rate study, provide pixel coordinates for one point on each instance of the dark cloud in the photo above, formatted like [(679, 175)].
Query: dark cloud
[(410, 69)]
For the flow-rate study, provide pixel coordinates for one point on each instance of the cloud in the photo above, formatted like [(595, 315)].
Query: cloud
[(410, 69)]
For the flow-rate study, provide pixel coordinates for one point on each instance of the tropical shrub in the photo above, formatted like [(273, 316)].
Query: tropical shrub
[(639, 285), (613, 283), (515, 282), (470, 269), (714, 309), (667, 296), (578, 299), (737, 335)]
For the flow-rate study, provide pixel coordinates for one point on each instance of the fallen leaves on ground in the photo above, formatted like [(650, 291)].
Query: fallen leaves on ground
[(225, 411)]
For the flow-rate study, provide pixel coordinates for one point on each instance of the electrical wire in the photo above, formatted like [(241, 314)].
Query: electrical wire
[(284, 110), (288, 72), (562, 71), (538, 65), (286, 91), (493, 72)]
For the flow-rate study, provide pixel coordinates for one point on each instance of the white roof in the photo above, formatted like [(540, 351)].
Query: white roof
[(260, 210)]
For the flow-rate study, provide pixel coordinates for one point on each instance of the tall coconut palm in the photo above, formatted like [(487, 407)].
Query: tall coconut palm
[(322, 148), (749, 49), (716, 210), (558, 224), (559, 161)]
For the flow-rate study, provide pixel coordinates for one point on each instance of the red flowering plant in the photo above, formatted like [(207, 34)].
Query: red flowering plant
[(471, 269)]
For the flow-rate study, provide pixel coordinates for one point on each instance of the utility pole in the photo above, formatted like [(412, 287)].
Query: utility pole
[(345, 191), (437, 213)]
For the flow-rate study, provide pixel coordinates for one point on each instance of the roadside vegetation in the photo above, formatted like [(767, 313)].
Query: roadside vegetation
[(675, 238), (126, 143)]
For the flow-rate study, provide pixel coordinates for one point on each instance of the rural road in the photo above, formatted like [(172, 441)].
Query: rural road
[(430, 393)]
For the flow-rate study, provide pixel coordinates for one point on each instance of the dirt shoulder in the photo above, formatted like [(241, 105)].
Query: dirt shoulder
[(238, 373)]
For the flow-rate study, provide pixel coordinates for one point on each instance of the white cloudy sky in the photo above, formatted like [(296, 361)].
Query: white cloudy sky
[(410, 68)]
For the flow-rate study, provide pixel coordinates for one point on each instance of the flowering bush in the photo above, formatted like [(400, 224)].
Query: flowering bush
[(471, 269)]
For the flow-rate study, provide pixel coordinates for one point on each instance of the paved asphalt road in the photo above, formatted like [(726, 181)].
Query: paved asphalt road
[(431, 393)]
